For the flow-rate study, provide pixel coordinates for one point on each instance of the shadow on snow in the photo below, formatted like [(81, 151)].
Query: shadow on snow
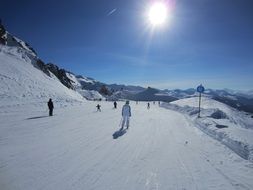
[(119, 133), (38, 117)]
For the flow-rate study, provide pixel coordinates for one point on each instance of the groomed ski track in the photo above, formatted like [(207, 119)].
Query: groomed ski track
[(75, 150)]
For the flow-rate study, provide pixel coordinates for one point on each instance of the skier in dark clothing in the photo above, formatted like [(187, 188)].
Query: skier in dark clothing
[(115, 105), (98, 107), (50, 105), (148, 105)]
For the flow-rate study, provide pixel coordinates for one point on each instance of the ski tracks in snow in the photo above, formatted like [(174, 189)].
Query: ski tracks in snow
[(76, 150)]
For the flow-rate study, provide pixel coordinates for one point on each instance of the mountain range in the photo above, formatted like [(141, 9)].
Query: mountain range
[(91, 89)]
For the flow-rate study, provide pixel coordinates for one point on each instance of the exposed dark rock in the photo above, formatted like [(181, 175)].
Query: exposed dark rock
[(104, 90), (218, 115), (60, 74), (240, 103), (221, 126), (10, 40), (150, 95), (42, 66), (2, 33)]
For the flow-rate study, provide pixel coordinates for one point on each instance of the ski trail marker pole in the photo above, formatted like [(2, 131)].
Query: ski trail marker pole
[(200, 89)]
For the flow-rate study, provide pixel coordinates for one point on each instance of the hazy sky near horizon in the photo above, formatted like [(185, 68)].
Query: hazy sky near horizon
[(206, 41)]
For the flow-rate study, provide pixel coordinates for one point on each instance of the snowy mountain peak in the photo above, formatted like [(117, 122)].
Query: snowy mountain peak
[(25, 78), (8, 39)]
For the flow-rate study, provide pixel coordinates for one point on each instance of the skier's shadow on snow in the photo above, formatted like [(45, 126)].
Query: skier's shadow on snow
[(38, 117), (119, 133)]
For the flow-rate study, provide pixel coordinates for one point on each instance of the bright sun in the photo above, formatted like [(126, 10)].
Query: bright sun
[(158, 13)]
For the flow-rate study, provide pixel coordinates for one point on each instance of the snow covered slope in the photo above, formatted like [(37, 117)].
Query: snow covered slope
[(92, 89), (241, 100), (228, 125), (75, 150), (22, 83), (91, 94), (80, 82)]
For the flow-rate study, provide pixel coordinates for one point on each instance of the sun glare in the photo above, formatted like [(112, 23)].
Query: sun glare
[(158, 13)]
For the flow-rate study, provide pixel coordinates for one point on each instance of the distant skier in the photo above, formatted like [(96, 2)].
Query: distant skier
[(115, 105), (98, 108), (148, 105), (159, 103), (50, 105), (126, 114)]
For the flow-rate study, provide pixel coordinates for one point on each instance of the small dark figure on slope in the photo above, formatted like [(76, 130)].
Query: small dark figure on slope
[(115, 105), (50, 105), (98, 108)]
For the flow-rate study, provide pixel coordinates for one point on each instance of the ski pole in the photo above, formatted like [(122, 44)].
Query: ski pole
[(120, 122)]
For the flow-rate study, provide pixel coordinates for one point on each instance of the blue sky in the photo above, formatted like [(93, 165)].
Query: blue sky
[(206, 41)]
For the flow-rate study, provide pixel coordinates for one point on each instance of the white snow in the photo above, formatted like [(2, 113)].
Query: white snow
[(75, 150), (179, 95), (22, 83), (238, 131), (88, 94), (230, 97), (23, 44), (122, 94), (163, 94), (85, 79), (73, 79), (91, 94)]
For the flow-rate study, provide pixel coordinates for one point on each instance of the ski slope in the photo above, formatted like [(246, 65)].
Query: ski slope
[(231, 127), (22, 83), (75, 150)]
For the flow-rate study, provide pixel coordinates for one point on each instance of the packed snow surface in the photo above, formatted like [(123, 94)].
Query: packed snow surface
[(228, 125), (75, 150)]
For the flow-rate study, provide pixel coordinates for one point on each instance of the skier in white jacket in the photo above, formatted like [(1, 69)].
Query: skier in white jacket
[(126, 114)]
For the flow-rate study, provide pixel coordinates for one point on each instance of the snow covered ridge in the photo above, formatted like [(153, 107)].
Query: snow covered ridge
[(88, 86), (90, 94), (22, 83), (231, 127), (152, 94), (241, 100), (11, 46), (7, 39)]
